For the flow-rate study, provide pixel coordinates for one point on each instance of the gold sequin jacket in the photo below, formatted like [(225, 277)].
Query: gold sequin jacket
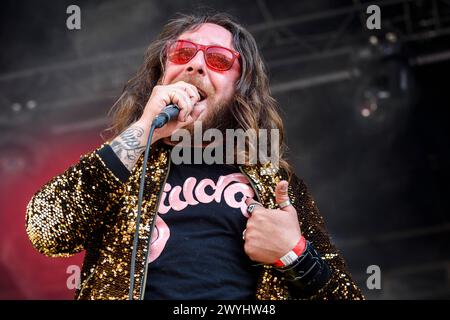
[(93, 207)]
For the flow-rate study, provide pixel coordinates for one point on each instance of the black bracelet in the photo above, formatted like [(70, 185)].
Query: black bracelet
[(308, 273)]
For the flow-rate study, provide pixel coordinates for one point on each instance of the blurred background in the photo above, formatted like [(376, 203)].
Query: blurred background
[(366, 113)]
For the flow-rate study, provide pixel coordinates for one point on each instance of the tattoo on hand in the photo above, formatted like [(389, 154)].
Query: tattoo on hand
[(127, 146)]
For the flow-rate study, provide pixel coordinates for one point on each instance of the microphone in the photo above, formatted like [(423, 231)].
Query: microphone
[(168, 113)]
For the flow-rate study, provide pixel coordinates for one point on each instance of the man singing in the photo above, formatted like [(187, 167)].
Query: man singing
[(208, 231)]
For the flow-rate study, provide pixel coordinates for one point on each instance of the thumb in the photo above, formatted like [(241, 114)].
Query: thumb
[(282, 196)]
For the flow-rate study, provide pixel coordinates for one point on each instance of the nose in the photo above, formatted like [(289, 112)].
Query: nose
[(197, 64)]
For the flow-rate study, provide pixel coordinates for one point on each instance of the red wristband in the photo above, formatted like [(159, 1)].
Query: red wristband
[(292, 255)]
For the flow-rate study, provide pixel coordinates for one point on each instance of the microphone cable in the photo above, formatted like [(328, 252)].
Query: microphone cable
[(167, 114)]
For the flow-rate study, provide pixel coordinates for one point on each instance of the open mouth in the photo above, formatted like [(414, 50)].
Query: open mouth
[(202, 94)]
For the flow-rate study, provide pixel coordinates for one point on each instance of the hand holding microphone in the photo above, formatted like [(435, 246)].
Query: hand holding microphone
[(167, 114), (169, 101), (169, 108)]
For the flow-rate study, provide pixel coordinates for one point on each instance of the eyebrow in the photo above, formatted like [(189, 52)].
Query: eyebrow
[(212, 44)]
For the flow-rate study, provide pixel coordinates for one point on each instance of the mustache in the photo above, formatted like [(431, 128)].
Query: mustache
[(198, 83)]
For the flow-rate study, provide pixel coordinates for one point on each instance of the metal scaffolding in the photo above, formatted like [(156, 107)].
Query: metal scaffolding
[(284, 44)]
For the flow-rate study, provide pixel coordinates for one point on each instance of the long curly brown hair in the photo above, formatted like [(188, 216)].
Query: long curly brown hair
[(253, 106)]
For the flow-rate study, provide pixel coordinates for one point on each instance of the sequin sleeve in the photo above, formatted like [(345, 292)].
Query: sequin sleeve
[(340, 285), (64, 213)]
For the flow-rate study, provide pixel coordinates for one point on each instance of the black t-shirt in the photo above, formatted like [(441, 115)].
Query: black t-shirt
[(197, 249)]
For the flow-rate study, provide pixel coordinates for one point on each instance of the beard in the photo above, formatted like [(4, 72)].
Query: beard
[(216, 116), (218, 113)]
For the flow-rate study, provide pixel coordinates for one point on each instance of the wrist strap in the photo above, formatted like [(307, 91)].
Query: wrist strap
[(292, 255), (308, 274)]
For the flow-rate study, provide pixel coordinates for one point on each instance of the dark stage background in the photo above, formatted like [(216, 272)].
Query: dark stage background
[(366, 112)]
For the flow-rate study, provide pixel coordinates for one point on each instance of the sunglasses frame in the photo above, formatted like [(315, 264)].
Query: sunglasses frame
[(200, 47)]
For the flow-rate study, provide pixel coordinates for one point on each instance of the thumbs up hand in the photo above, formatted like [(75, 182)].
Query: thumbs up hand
[(271, 233)]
